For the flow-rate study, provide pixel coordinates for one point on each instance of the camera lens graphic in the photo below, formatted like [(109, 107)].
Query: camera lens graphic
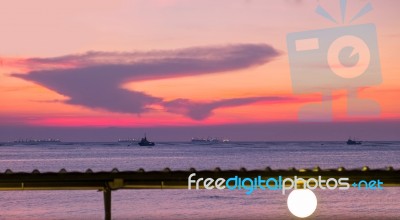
[(348, 56)]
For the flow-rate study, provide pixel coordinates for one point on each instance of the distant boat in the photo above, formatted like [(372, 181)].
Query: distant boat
[(208, 140), (353, 142), (129, 140), (199, 140), (37, 141), (145, 142)]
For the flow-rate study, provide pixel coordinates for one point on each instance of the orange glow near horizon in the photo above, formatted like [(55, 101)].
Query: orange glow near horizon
[(40, 106)]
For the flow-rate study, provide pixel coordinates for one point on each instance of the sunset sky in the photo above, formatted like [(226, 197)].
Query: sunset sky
[(75, 69)]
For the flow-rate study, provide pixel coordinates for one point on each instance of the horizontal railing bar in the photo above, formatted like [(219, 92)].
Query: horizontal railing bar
[(172, 179)]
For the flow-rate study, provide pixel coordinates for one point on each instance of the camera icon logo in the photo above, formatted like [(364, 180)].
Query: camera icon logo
[(322, 61)]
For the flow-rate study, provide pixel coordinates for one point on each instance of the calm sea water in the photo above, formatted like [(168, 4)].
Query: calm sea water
[(202, 204)]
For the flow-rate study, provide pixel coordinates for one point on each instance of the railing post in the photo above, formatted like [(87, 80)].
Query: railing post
[(107, 203)]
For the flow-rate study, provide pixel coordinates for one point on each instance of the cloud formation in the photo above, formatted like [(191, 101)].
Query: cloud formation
[(94, 79), (200, 111)]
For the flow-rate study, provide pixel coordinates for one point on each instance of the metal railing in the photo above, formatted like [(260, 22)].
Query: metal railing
[(168, 179)]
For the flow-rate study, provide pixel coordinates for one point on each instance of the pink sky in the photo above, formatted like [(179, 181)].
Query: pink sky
[(244, 85)]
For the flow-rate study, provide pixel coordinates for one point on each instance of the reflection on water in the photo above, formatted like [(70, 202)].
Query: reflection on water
[(202, 204)]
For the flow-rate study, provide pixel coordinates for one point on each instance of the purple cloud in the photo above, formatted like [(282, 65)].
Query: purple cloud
[(200, 111), (94, 79)]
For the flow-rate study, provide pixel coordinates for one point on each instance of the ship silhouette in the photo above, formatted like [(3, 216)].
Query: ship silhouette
[(353, 142), (145, 142)]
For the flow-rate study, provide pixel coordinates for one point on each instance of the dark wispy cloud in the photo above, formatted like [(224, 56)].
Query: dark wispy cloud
[(94, 79), (199, 111)]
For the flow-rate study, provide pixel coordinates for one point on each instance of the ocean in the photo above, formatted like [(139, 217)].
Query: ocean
[(200, 204)]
